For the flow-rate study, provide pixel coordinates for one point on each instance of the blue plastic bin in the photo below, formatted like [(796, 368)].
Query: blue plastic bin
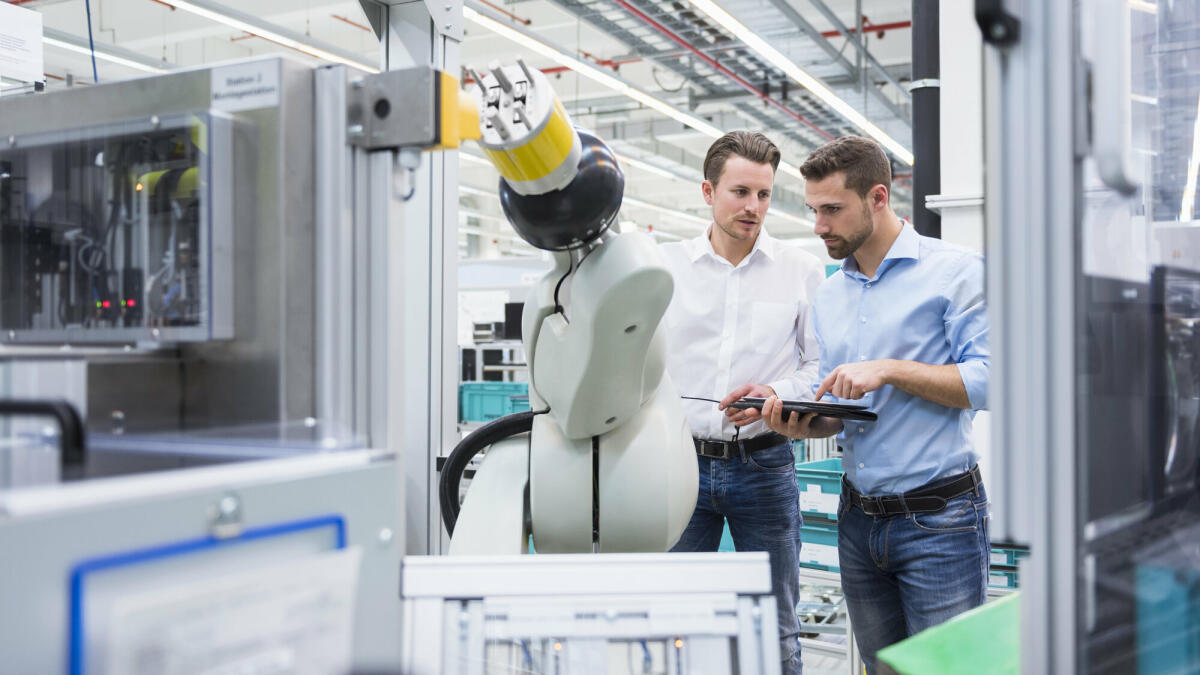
[(484, 401), (819, 545), (820, 486)]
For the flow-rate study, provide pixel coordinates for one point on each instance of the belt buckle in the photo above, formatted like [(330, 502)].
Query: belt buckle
[(872, 506), (720, 451)]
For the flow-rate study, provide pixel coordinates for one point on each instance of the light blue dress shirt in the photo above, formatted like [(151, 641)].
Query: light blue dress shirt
[(925, 304)]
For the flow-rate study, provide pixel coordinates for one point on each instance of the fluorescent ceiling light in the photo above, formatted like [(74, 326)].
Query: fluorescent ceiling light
[(117, 55), (467, 189), (793, 171), (1189, 188), (473, 158), (252, 24), (675, 213), (648, 167), (1141, 6), (818, 89)]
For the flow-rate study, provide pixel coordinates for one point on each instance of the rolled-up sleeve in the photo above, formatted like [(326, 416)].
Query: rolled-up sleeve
[(966, 324)]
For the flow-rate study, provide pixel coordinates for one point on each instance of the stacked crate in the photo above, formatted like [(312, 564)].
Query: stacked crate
[(485, 401)]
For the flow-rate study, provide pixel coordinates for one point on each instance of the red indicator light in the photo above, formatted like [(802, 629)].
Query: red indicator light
[(106, 304), (131, 303)]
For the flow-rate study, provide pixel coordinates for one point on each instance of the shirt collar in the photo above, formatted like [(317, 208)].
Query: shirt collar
[(907, 245), (700, 246)]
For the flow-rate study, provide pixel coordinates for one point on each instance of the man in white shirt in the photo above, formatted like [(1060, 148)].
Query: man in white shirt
[(738, 326)]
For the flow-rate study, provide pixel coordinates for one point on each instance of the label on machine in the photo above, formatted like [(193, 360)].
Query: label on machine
[(246, 86)]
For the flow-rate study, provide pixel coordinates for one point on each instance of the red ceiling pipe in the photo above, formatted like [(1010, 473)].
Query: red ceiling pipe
[(507, 13), (609, 63), (353, 23), (560, 69), (872, 28), (720, 68)]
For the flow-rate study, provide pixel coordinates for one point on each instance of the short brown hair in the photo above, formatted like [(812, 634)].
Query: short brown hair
[(749, 144), (860, 159)]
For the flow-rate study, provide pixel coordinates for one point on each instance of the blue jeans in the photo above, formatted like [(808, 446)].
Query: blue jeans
[(759, 496), (902, 574)]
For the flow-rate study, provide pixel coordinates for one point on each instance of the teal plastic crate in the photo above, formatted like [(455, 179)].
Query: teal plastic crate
[(819, 545), (820, 487), (484, 401), (1002, 579), (1006, 556)]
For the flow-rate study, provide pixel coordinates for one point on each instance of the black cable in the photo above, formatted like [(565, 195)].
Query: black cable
[(654, 74), (736, 430), (558, 309), (458, 459), (88, 5)]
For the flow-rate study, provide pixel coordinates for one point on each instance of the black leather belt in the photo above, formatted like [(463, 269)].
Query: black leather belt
[(920, 500), (727, 449)]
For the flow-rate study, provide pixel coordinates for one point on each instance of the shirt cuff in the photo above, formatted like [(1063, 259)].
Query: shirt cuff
[(974, 376), (786, 390)]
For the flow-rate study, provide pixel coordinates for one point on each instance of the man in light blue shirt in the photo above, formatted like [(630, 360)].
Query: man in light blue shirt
[(902, 328)]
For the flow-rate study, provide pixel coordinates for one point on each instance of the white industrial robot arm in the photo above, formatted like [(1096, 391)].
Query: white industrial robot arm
[(610, 465)]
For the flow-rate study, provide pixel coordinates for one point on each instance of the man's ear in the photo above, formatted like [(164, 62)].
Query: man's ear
[(879, 197), (706, 188)]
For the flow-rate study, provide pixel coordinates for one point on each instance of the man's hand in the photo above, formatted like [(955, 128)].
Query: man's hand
[(796, 425), (854, 380), (741, 418)]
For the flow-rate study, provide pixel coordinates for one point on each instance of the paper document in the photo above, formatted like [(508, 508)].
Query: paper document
[(295, 617)]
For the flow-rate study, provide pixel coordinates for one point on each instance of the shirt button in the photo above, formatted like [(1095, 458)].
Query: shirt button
[(861, 465), (861, 429), (862, 319), (868, 284), (861, 357)]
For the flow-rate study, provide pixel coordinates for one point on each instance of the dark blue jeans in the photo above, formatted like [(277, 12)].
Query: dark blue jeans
[(902, 574), (759, 496)]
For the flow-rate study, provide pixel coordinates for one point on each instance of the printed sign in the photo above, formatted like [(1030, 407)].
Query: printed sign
[(20, 44), (246, 86)]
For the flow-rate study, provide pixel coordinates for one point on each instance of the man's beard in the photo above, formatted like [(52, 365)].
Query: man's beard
[(845, 247)]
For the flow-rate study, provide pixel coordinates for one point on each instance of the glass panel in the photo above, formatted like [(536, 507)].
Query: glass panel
[(104, 234), (29, 452), (1137, 360)]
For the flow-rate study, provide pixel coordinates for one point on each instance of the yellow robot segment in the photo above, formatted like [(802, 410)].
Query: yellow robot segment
[(526, 132), (458, 114)]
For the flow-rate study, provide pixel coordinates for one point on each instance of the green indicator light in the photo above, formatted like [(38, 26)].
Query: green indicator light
[(97, 304)]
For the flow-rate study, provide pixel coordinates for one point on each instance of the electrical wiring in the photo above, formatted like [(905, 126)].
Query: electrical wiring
[(91, 42)]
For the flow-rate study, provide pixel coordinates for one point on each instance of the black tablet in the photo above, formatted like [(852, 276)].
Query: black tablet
[(839, 410)]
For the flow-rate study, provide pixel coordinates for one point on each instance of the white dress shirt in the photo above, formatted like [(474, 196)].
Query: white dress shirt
[(750, 324)]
